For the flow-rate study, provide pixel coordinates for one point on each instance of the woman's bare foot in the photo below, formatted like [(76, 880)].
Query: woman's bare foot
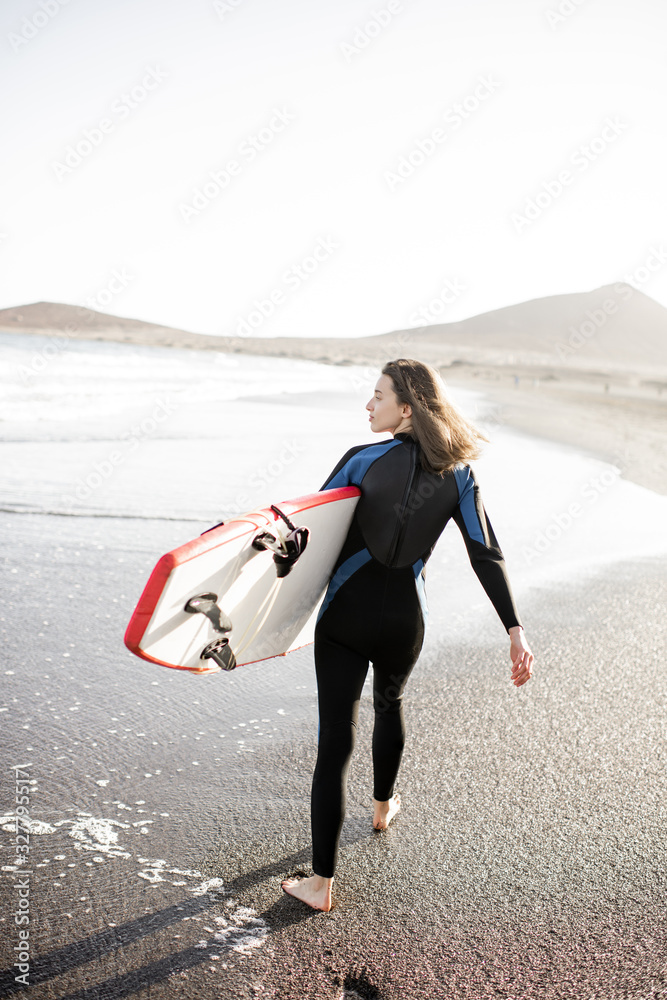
[(384, 812), (315, 891)]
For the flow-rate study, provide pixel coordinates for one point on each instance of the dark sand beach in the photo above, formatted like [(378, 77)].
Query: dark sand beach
[(529, 858)]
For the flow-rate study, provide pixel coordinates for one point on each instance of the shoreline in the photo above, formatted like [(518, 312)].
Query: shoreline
[(610, 411), (625, 428)]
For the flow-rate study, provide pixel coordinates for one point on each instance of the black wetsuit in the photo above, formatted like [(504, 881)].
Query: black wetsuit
[(374, 610)]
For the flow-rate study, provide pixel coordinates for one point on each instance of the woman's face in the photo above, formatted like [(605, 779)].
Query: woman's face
[(386, 413)]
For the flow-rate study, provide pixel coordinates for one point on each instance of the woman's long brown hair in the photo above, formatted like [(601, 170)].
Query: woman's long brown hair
[(445, 436)]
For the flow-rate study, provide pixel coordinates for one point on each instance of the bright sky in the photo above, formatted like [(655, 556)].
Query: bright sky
[(372, 158)]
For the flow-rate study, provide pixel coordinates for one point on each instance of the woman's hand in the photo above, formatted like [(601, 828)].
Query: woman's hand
[(521, 657)]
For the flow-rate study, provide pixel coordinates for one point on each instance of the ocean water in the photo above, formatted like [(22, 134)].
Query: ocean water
[(116, 431), (106, 429)]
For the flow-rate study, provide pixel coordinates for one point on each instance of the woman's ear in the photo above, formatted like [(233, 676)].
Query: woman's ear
[(407, 410)]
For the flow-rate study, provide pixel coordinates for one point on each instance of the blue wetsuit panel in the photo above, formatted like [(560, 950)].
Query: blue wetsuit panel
[(352, 471), (466, 487)]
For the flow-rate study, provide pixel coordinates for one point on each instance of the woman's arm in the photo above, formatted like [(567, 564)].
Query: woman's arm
[(488, 562), (484, 552)]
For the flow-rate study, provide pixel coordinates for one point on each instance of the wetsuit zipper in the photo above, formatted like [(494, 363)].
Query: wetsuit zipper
[(401, 525)]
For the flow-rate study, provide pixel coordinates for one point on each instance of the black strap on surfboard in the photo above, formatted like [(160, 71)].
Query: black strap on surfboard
[(295, 543), (277, 510), (285, 550), (220, 524), (221, 652), (206, 604)]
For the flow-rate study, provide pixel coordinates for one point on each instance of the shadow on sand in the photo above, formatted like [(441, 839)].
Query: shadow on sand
[(79, 953)]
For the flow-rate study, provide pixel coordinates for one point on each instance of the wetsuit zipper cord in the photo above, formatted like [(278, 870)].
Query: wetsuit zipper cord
[(400, 524)]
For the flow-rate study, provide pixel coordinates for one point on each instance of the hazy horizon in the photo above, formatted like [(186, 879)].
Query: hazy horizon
[(266, 333)]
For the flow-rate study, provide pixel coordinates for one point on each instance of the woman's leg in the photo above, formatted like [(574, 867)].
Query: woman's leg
[(341, 673), (340, 678), (394, 658), (389, 731)]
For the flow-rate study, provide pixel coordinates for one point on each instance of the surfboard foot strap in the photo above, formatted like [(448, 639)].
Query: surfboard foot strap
[(206, 604), (285, 550), (221, 652)]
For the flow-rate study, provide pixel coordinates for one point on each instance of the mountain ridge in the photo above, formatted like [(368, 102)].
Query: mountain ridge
[(615, 326)]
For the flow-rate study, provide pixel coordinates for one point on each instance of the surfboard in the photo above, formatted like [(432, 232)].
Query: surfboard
[(245, 590)]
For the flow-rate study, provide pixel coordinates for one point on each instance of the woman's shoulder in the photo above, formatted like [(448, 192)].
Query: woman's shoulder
[(354, 463), (357, 460), (377, 446), (464, 475)]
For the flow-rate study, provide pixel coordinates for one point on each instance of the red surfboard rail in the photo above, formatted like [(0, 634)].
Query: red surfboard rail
[(211, 539)]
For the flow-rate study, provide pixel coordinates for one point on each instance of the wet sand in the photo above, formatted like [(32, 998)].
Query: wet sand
[(528, 860), (529, 856)]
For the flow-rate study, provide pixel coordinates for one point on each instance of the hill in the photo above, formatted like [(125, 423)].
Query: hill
[(613, 329), (81, 323)]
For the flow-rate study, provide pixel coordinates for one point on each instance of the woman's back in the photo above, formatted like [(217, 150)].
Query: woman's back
[(404, 509)]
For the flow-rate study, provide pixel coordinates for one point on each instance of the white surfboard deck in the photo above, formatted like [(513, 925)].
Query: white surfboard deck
[(269, 615)]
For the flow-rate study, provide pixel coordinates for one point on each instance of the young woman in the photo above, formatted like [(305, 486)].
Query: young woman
[(374, 609)]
